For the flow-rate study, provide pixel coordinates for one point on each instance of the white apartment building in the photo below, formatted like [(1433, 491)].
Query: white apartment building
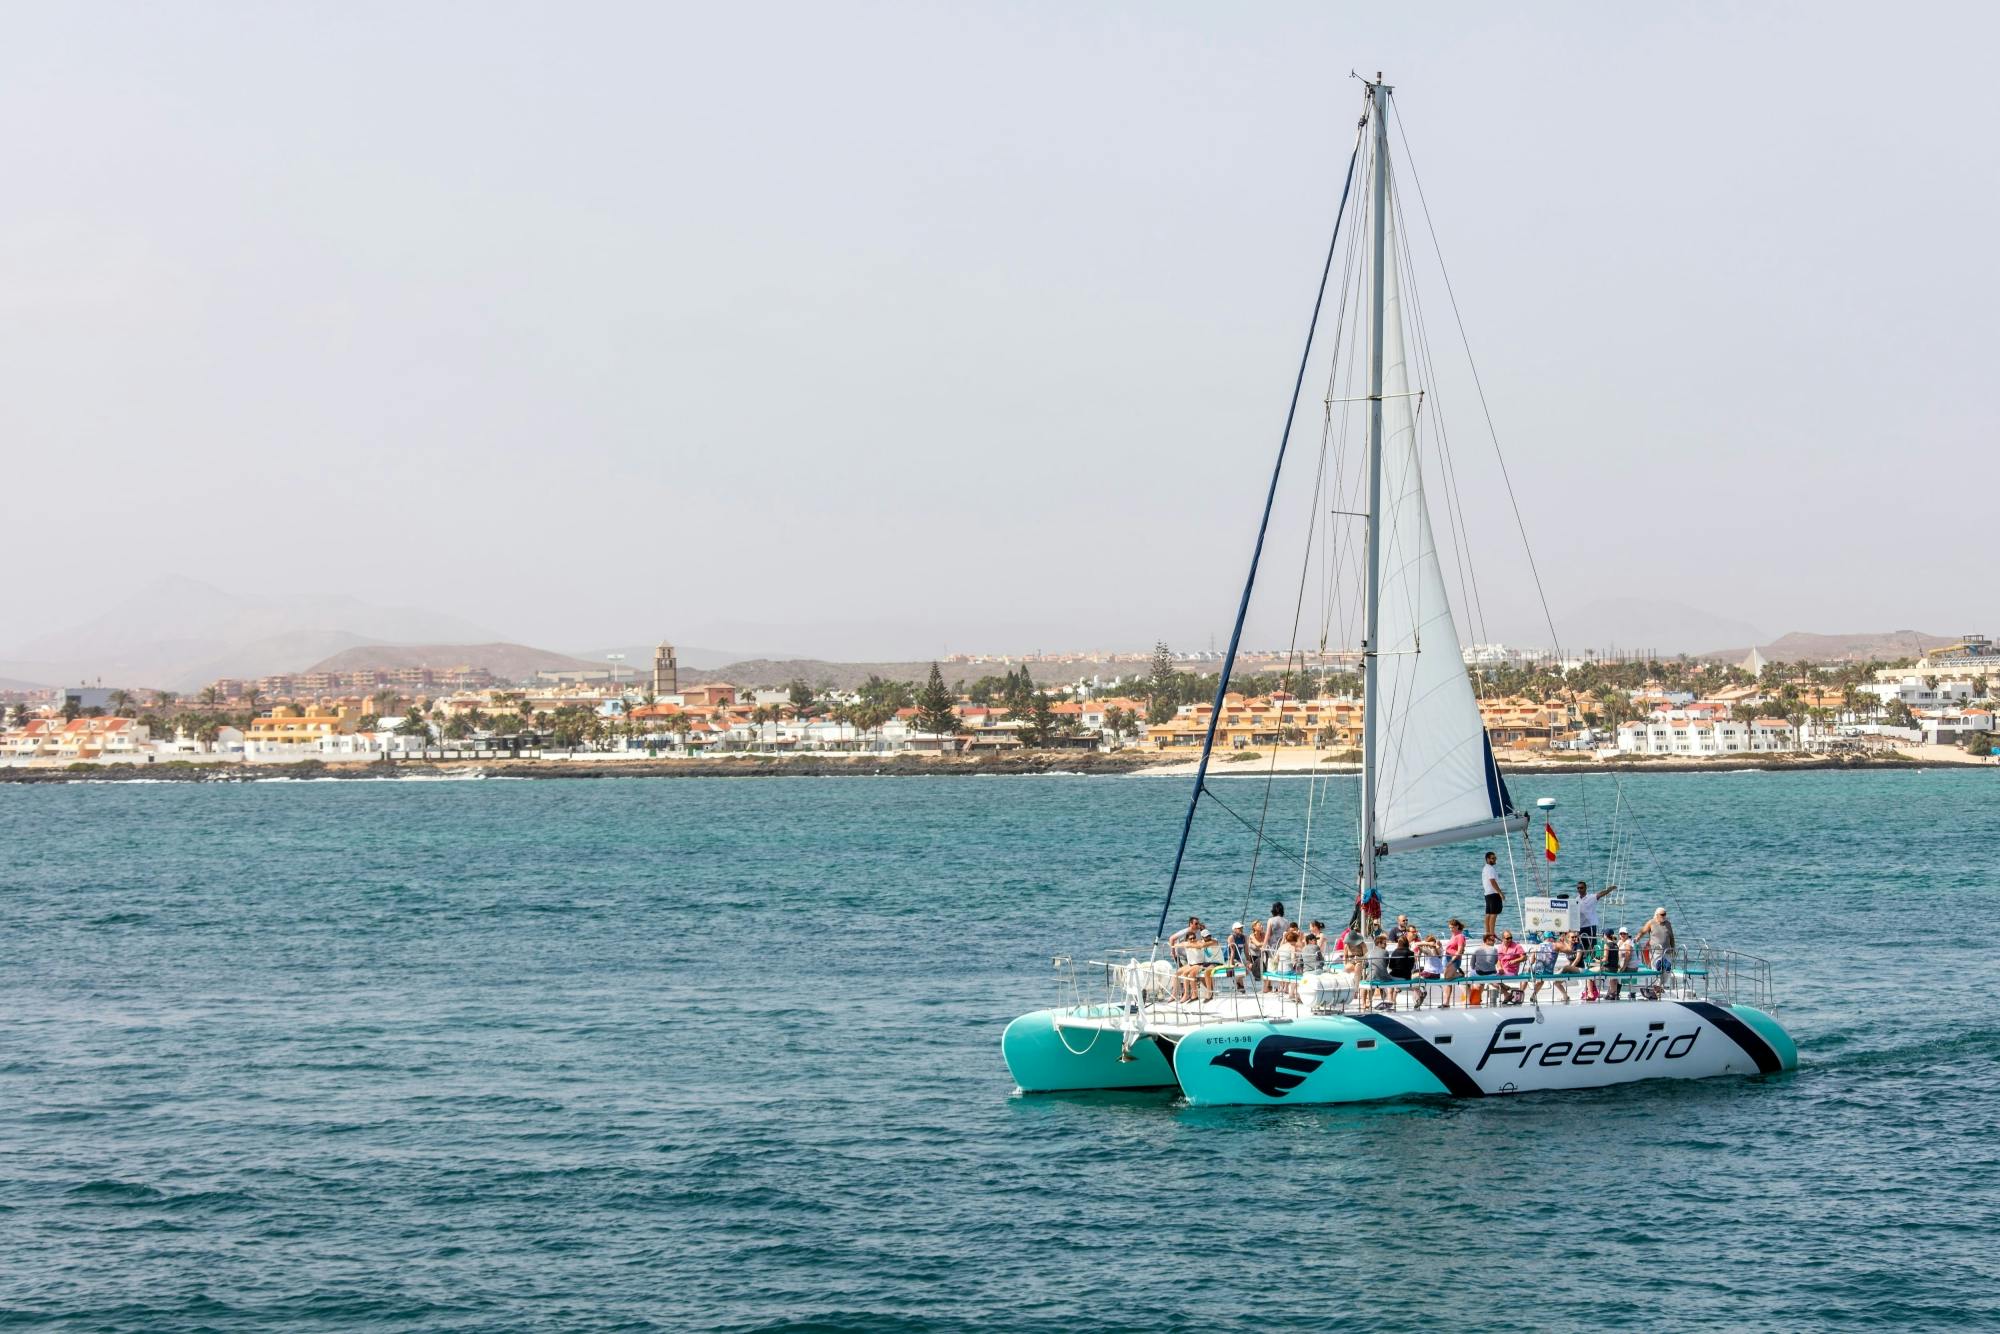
[(1677, 734), (1918, 693), (1773, 734), (1950, 727), (228, 741)]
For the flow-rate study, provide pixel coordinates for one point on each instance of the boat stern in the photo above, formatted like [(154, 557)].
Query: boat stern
[(1773, 1033)]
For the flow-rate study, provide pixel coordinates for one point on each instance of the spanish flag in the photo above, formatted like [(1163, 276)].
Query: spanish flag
[(1549, 844)]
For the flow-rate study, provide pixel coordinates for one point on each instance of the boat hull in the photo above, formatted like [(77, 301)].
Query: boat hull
[(1471, 1053), (1045, 1059)]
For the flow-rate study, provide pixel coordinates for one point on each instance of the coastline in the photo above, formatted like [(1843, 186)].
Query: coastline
[(908, 765)]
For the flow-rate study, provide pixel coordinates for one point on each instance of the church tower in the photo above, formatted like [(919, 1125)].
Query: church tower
[(666, 671)]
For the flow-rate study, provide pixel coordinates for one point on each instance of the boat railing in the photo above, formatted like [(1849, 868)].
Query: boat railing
[(1730, 977), (1129, 982)]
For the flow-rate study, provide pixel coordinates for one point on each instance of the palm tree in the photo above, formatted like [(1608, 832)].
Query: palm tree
[(164, 699), (210, 696)]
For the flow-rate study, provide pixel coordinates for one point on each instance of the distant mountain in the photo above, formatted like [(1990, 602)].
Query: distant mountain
[(1800, 646), (180, 633), (509, 662), (1639, 625)]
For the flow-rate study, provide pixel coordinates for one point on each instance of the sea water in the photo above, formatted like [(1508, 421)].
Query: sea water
[(631, 1054)]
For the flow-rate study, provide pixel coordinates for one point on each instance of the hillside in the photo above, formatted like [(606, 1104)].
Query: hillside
[(182, 633), (509, 662), (1801, 646), (1633, 624)]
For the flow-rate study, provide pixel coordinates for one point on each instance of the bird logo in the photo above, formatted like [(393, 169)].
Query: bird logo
[(1278, 1064)]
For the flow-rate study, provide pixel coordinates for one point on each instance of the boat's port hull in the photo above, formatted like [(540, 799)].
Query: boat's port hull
[(1472, 1053), (1046, 1059)]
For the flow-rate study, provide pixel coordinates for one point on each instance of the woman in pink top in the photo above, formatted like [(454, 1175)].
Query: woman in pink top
[(1454, 958), (1511, 955)]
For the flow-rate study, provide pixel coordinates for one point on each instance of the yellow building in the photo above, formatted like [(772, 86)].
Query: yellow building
[(1336, 723), (1522, 724), (290, 725), (1278, 720)]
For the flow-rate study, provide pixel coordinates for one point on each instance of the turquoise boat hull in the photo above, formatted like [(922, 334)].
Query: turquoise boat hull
[(1471, 1053), (1045, 1059)]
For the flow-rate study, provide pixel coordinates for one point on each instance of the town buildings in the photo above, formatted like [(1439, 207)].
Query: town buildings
[(1942, 700), (75, 739)]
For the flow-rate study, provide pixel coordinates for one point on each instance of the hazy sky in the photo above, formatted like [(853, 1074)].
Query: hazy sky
[(914, 328)]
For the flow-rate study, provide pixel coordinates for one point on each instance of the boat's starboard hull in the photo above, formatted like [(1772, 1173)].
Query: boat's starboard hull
[(1472, 1053)]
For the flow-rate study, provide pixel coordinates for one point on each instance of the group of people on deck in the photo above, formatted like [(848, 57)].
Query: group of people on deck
[(1501, 970), (1272, 954), (1275, 953)]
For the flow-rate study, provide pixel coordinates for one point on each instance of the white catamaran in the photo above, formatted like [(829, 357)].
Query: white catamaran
[(1428, 778)]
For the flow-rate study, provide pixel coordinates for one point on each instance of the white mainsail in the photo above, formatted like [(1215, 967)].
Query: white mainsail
[(1436, 781)]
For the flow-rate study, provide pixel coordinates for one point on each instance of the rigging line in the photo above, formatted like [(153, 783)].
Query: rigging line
[(1335, 554), (1455, 512), (1257, 553), (1611, 852), (1330, 555), (1276, 846), (1354, 480), (1653, 858), (1555, 640), (1291, 655), (1301, 905), (1461, 531)]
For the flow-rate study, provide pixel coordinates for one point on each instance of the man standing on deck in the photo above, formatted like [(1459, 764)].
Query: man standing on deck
[(1657, 936), (1586, 915), (1489, 884)]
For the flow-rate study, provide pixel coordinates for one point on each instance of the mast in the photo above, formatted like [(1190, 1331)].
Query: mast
[(1371, 712)]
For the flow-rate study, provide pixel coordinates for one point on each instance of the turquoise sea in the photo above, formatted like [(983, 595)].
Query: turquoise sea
[(666, 1054)]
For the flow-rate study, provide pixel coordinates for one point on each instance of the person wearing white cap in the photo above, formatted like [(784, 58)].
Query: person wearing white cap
[(1658, 937), (1236, 953)]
